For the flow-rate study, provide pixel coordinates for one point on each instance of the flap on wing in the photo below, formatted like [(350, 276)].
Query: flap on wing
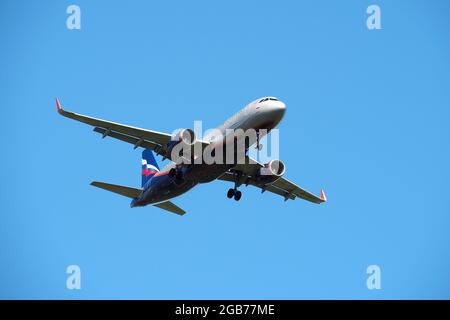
[(123, 137), (169, 206), (292, 189)]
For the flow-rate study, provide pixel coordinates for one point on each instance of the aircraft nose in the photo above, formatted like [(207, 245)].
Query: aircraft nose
[(277, 110), (271, 114), (280, 106)]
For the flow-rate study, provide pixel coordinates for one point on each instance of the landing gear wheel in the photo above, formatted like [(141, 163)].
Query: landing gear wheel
[(230, 193), (237, 195)]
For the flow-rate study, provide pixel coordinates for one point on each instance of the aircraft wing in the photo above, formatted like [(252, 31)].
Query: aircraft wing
[(246, 173), (144, 138)]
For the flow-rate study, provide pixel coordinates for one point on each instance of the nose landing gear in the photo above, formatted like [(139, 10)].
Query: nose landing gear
[(258, 146)]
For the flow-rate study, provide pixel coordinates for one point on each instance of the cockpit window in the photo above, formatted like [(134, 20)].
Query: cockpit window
[(265, 99)]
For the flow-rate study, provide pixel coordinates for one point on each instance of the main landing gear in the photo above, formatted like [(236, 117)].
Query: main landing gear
[(234, 193)]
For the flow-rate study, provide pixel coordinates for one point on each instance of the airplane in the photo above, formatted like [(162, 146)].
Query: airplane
[(158, 187)]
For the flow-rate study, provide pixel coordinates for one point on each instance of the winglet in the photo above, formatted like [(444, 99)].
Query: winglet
[(322, 195), (58, 105)]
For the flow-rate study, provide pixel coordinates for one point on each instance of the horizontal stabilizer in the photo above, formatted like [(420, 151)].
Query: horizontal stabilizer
[(122, 190), (169, 206)]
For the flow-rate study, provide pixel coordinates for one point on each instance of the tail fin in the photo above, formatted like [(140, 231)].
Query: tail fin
[(149, 166)]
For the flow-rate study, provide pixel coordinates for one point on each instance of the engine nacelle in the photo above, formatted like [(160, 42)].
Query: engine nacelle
[(271, 172), (184, 140), (187, 136)]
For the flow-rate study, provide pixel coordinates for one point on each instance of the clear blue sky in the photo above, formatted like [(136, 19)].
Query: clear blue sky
[(367, 119)]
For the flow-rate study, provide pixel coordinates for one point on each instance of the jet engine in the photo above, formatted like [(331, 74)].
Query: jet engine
[(271, 172), (184, 140), (187, 136)]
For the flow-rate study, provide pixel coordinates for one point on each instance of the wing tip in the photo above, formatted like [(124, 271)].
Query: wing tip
[(322, 195), (58, 105)]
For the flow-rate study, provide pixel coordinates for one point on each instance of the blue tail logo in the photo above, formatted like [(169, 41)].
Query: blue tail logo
[(149, 166)]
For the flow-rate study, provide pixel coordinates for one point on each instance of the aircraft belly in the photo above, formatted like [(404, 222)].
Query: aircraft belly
[(164, 188), (208, 172)]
